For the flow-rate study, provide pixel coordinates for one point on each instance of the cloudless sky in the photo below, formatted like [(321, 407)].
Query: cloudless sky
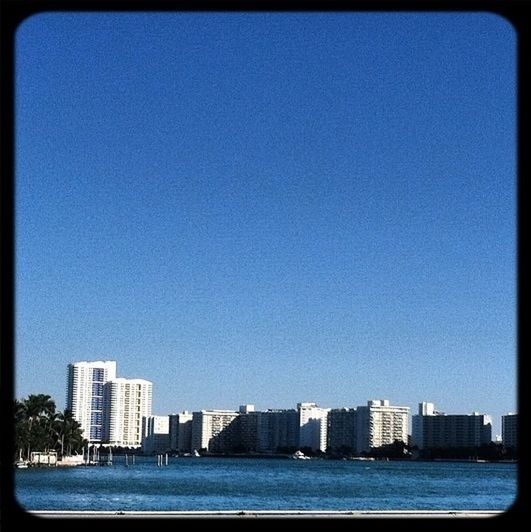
[(269, 208)]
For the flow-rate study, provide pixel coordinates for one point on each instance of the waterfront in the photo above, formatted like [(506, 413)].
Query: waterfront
[(196, 484)]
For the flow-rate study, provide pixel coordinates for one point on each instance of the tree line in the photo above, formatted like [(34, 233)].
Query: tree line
[(39, 427)]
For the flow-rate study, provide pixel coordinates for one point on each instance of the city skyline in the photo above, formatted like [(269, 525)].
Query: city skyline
[(269, 208), (89, 381), (116, 411)]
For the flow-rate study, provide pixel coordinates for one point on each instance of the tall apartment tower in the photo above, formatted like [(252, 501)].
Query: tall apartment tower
[(342, 430), (84, 396), (214, 430), (181, 432), (510, 430), (313, 426), (126, 402), (380, 423), (278, 431)]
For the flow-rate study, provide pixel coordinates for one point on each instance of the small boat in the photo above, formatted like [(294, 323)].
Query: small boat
[(299, 455), (196, 453), (21, 464)]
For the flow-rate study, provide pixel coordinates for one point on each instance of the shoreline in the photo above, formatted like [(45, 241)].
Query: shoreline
[(104, 463), (275, 514)]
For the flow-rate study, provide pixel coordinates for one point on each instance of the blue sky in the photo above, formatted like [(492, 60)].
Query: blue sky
[(269, 207)]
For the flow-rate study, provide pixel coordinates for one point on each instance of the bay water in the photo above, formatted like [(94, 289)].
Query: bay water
[(207, 483)]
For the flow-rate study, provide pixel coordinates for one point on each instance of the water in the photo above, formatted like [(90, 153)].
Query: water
[(189, 484)]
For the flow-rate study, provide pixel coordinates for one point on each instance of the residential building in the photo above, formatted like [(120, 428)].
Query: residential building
[(246, 409), (312, 426), (155, 434), (510, 430), (248, 429), (84, 396), (215, 431), (278, 431), (181, 432), (126, 402), (437, 430), (379, 424), (425, 409), (342, 430)]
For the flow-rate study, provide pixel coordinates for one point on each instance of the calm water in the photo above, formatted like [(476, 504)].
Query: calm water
[(269, 484)]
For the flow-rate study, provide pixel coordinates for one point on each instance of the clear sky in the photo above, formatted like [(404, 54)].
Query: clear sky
[(269, 208)]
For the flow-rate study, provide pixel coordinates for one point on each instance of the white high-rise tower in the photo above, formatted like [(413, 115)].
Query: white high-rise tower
[(85, 395), (126, 402), (313, 426)]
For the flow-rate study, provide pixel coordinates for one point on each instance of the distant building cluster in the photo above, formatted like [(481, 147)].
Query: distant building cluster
[(117, 411), (306, 427), (109, 409)]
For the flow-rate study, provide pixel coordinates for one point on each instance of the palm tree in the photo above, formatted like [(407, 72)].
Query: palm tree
[(21, 427), (38, 425), (68, 432), (37, 409), (39, 405)]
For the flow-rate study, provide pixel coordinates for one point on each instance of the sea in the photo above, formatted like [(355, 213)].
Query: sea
[(207, 483)]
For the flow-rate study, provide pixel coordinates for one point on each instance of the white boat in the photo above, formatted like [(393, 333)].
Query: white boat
[(21, 464), (196, 453), (299, 455)]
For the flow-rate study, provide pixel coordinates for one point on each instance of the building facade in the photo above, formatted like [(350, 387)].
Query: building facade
[(126, 402), (342, 430), (215, 431), (436, 430), (510, 430), (248, 424), (312, 426), (84, 396), (181, 432), (278, 431), (379, 424), (155, 434)]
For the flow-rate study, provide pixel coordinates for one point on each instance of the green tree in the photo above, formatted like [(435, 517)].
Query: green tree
[(68, 433), (37, 406), (32, 423), (21, 428)]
